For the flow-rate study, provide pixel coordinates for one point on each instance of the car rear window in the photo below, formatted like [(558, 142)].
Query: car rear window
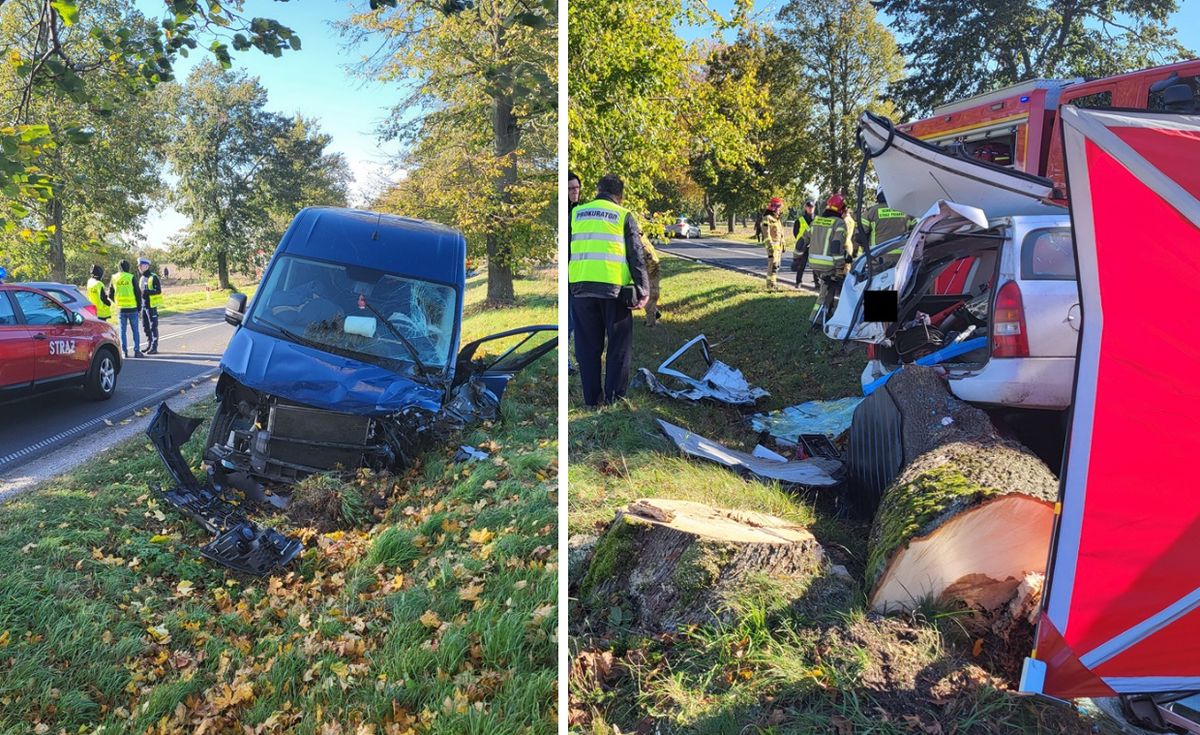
[(1048, 255), (8, 317)]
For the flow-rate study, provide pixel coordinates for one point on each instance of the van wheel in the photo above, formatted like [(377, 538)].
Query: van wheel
[(101, 380)]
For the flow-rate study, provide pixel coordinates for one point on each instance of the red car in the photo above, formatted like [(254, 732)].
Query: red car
[(44, 345)]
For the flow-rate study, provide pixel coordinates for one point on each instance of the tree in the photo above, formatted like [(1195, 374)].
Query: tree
[(850, 60), (104, 166), (479, 127), (135, 58), (960, 48)]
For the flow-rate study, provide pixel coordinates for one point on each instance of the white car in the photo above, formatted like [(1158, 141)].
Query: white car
[(683, 227), (1004, 289)]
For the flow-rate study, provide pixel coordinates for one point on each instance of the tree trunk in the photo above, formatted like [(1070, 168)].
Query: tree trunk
[(970, 514), (675, 563), (729, 223), (223, 271), (58, 258), (500, 264), (711, 210)]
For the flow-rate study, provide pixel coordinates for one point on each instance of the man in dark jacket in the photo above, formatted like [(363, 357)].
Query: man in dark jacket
[(607, 280), (151, 287)]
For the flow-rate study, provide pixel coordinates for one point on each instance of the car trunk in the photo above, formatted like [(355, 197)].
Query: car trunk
[(948, 301)]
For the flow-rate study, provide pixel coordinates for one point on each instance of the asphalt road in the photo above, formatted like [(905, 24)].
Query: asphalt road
[(190, 348), (738, 256)]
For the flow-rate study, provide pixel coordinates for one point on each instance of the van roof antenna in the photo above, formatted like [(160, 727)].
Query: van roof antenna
[(378, 219)]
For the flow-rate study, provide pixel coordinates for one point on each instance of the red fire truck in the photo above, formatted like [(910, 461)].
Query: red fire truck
[(1018, 125)]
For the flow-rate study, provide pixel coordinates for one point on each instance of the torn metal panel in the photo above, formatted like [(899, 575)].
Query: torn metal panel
[(470, 454), (809, 472), (831, 418), (720, 382), (240, 544)]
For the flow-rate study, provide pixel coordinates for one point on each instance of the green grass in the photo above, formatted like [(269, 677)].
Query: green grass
[(203, 298), (437, 615), (788, 660)]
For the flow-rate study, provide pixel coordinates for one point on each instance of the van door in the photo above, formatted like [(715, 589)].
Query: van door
[(495, 359), (1049, 290)]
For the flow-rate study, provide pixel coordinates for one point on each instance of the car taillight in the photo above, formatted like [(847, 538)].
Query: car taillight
[(1009, 336), (91, 309), (872, 351)]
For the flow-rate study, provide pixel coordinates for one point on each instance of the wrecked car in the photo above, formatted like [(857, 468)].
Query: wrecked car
[(1003, 288), (348, 356)]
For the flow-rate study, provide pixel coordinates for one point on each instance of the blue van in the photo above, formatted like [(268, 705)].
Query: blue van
[(348, 356)]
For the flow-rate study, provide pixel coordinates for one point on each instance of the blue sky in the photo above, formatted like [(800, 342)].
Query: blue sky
[(315, 81)]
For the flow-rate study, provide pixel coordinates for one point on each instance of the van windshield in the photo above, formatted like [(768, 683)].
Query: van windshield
[(348, 309)]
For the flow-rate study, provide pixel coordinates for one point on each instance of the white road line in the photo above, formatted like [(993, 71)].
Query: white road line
[(191, 330), (99, 420)]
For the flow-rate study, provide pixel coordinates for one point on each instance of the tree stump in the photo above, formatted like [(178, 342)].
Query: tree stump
[(970, 514), (674, 563)]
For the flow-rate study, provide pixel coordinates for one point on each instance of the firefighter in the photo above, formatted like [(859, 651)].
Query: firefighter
[(98, 294), (881, 223), (606, 277), (800, 256), (773, 229), (129, 302), (151, 287), (828, 248)]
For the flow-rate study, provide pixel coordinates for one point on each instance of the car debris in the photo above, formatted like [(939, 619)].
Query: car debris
[(470, 454), (807, 472), (238, 543), (720, 382), (946, 353), (830, 418)]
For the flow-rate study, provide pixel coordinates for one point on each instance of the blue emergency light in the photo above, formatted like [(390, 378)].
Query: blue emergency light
[(3, 273), (1024, 98)]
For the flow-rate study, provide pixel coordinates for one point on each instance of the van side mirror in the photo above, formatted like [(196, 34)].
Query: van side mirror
[(235, 309)]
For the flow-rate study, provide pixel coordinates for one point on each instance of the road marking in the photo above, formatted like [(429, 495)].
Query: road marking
[(190, 330), (99, 420)]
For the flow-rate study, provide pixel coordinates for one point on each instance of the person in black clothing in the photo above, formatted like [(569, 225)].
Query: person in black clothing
[(150, 286), (799, 227), (597, 308)]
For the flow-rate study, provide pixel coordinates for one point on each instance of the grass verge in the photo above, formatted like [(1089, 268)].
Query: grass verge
[(436, 613), (182, 302), (788, 661)]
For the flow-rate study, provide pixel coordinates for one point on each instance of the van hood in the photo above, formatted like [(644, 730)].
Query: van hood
[(319, 379), (915, 175)]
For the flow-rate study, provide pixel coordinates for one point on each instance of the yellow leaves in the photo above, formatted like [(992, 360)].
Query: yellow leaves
[(5, 637), (160, 634), (184, 588), (543, 612), (430, 619), (490, 485), (305, 621), (228, 697), (340, 668), (480, 536), (470, 593), (158, 538), (451, 526), (222, 599), (106, 637), (99, 555)]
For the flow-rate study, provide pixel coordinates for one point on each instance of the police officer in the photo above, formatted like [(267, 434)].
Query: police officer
[(606, 276), (829, 253), (128, 298), (98, 294), (881, 223), (773, 229), (799, 227), (151, 287)]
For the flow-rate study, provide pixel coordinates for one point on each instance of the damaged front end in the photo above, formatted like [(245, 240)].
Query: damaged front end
[(238, 543)]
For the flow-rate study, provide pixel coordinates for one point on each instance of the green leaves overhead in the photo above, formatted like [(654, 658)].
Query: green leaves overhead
[(68, 10)]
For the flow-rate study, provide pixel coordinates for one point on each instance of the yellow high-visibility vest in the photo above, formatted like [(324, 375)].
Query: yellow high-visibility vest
[(94, 287), (156, 300), (123, 286), (598, 244)]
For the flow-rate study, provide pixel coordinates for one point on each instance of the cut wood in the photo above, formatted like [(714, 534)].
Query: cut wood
[(673, 563), (968, 518)]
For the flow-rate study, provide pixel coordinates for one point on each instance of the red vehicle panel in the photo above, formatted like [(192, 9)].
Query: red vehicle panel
[(45, 345)]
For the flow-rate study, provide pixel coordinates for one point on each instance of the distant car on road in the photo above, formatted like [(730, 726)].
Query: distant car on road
[(46, 346), (67, 294), (683, 227)]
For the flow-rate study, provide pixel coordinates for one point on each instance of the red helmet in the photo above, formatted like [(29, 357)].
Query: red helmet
[(837, 203), (776, 203)]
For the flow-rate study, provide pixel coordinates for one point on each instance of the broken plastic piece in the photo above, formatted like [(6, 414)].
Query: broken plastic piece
[(240, 544), (831, 418), (809, 472), (470, 454), (720, 382), (818, 445)]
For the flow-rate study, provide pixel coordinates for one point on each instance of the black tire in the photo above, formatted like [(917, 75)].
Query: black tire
[(101, 380)]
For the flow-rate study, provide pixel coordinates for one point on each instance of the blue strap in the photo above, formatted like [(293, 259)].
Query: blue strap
[(933, 358)]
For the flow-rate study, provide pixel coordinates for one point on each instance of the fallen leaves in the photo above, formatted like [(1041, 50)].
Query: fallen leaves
[(430, 619)]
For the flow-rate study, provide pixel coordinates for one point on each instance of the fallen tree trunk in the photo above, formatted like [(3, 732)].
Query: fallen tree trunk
[(970, 514), (674, 563)]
